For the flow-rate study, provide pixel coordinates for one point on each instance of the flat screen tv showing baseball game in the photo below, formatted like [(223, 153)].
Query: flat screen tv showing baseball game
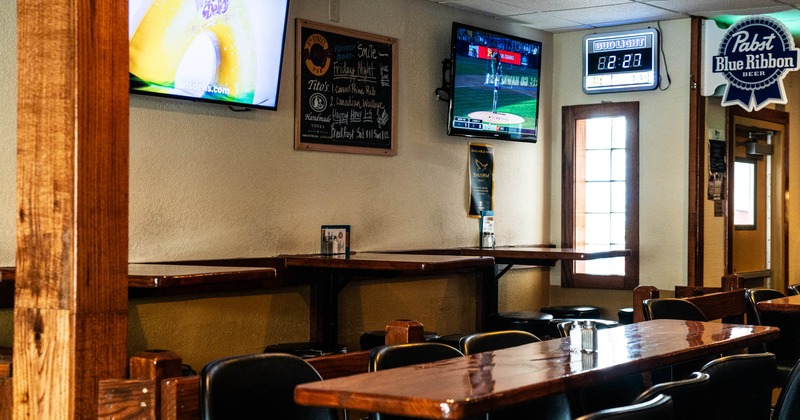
[(494, 87), (221, 51)]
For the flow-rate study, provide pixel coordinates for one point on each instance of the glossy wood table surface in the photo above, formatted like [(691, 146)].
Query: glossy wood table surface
[(389, 262), (785, 304), (169, 275), (471, 385), (530, 255), (173, 275)]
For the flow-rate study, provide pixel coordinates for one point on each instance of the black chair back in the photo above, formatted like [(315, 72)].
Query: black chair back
[(788, 405), (257, 386), (689, 396), (741, 385), (793, 289), (753, 296), (659, 407), (672, 308), (495, 340), (399, 355), (553, 407), (388, 357)]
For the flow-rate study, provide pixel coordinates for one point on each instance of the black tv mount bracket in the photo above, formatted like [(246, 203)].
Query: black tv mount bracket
[(443, 91)]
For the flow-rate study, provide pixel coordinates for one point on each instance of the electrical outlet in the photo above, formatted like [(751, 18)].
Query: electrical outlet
[(333, 10)]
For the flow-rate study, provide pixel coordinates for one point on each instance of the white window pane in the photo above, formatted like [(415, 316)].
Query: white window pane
[(598, 133), (618, 197), (598, 197), (744, 190), (618, 229), (618, 164), (598, 165), (598, 229), (618, 137), (607, 266)]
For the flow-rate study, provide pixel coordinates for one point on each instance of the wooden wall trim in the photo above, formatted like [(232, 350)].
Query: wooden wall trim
[(70, 318), (697, 175)]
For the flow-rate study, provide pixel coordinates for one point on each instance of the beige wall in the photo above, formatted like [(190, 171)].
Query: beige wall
[(210, 183), (663, 151)]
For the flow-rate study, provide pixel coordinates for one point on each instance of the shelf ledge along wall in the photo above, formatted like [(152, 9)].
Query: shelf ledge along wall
[(70, 317)]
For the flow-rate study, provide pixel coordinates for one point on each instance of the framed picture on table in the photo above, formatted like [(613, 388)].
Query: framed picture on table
[(339, 236)]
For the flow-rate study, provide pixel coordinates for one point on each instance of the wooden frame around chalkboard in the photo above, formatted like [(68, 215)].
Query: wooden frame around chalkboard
[(303, 141)]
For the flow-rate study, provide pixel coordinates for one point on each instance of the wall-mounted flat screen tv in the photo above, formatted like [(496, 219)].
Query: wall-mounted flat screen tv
[(494, 86), (222, 51)]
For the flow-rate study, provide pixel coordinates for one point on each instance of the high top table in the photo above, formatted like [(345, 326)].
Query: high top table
[(159, 279), (788, 304), (472, 385), (332, 272), (540, 256)]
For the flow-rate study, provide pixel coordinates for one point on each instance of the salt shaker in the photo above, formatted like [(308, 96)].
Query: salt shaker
[(575, 336), (588, 337)]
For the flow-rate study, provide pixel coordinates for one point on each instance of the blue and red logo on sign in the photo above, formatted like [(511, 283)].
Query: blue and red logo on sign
[(754, 56)]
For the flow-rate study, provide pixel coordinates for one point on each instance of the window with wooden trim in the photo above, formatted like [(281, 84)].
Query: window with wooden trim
[(600, 193)]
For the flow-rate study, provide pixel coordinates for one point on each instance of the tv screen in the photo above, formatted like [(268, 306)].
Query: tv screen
[(222, 51), (494, 86)]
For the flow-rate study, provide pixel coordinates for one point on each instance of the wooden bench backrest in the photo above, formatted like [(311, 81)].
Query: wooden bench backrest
[(155, 389), (728, 305)]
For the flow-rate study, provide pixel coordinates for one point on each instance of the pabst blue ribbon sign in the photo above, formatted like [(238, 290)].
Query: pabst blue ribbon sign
[(754, 56)]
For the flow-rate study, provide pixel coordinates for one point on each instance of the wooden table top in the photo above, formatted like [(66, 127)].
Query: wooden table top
[(784, 304), (471, 385), (170, 275), (532, 255), (173, 275), (389, 262)]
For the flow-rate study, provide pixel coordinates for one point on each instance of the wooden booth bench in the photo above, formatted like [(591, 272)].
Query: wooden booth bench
[(726, 303), (156, 388)]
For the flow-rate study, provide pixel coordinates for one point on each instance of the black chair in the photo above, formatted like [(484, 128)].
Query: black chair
[(688, 396), (672, 308), (793, 289), (494, 340), (572, 311), (257, 386), (788, 405), (399, 355), (753, 296), (785, 347), (657, 408), (741, 386), (535, 323), (554, 407)]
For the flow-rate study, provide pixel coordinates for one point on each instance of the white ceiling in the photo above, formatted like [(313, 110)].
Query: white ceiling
[(572, 15)]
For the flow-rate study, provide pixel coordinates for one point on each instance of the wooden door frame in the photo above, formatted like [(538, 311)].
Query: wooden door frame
[(770, 116), (697, 176)]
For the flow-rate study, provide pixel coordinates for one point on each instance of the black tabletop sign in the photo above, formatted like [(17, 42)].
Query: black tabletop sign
[(345, 96)]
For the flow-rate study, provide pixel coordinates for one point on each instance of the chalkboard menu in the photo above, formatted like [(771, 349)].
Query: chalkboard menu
[(345, 90)]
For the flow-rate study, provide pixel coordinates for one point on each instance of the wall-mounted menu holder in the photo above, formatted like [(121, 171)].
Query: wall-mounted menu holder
[(344, 90)]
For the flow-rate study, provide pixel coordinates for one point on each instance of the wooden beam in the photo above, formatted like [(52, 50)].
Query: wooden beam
[(70, 315)]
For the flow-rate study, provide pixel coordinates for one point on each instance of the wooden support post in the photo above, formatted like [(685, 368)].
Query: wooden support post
[(6, 398), (155, 365), (180, 399), (122, 399), (71, 297), (403, 331), (640, 294)]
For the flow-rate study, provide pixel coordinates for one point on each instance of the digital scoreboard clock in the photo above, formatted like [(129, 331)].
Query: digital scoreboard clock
[(620, 61)]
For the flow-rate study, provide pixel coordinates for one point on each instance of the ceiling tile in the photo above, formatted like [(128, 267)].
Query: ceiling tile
[(696, 7), (615, 14), (486, 7), (551, 5), (545, 22)]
